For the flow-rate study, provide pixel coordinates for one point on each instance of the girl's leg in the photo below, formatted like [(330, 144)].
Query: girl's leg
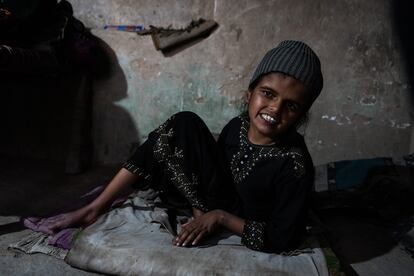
[(182, 159)]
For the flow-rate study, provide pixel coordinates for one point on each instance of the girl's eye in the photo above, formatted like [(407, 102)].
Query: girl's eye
[(267, 93), (292, 106)]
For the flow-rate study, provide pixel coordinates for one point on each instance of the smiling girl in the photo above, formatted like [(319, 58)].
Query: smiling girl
[(255, 181)]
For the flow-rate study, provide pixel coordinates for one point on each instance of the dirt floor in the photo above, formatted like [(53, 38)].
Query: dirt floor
[(37, 188)]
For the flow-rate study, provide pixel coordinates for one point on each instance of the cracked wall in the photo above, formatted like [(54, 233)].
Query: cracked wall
[(364, 109)]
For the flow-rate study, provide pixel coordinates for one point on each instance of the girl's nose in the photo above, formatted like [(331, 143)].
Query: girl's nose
[(275, 105)]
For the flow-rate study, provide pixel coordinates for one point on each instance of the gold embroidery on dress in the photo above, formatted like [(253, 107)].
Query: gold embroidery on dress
[(171, 160), (253, 234), (248, 156), (136, 170)]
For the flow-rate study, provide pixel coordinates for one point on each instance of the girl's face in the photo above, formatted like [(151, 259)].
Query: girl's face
[(276, 103)]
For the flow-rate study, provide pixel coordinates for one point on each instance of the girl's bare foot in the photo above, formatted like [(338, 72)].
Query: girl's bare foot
[(81, 217)]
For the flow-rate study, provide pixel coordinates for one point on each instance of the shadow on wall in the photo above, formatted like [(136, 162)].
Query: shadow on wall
[(403, 21), (42, 119), (112, 125), (47, 115)]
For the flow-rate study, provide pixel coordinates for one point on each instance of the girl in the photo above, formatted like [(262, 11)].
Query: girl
[(255, 181)]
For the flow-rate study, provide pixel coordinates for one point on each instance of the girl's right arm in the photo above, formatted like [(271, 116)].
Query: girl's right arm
[(86, 215)]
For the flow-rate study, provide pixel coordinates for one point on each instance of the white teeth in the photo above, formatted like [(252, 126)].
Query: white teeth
[(268, 118)]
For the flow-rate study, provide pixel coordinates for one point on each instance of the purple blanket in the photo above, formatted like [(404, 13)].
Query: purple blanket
[(63, 238)]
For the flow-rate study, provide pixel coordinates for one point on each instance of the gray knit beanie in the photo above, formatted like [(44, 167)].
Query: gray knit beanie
[(296, 59)]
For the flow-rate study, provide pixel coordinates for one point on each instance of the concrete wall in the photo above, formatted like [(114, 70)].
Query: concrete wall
[(364, 109)]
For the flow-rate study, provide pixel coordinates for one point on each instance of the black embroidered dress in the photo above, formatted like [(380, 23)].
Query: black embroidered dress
[(268, 186)]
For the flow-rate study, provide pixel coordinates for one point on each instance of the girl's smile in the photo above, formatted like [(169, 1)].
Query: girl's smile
[(276, 103)]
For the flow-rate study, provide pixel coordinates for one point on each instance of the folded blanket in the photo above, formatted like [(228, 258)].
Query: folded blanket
[(36, 242), (136, 239)]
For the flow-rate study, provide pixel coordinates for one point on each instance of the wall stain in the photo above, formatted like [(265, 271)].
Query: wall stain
[(368, 100), (359, 119), (338, 119), (395, 124)]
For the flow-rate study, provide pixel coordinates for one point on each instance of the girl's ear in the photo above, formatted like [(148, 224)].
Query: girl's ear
[(248, 96)]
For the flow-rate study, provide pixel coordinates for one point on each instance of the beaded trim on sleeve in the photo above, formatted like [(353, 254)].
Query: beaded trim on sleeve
[(172, 161), (253, 234), (136, 170), (298, 162), (243, 161)]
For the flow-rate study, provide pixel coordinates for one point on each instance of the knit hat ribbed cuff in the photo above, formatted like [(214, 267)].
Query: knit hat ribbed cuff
[(296, 59)]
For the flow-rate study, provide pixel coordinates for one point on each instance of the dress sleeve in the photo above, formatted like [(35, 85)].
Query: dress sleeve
[(282, 231), (141, 161)]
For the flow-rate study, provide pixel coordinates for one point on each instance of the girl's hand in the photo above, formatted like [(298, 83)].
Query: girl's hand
[(197, 213), (195, 230)]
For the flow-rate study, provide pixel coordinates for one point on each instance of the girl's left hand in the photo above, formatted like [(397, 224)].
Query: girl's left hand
[(193, 231)]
